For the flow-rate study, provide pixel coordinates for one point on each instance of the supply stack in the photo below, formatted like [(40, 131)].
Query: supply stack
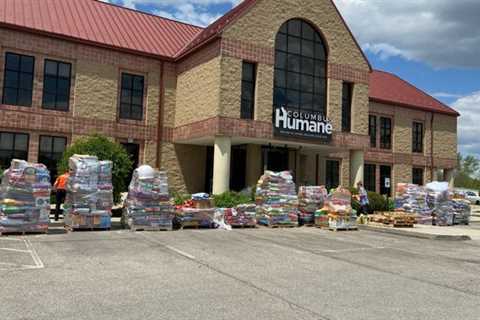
[(277, 200), (89, 200), (461, 211), (411, 198), (341, 216), (197, 213), (25, 198), (397, 219), (310, 199), (243, 216), (439, 200), (148, 205)]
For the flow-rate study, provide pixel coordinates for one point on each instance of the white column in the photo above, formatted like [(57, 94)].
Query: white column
[(221, 165), (449, 176), (357, 165)]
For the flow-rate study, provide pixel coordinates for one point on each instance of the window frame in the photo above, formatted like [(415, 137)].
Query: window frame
[(50, 153), (415, 171), (248, 101), (418, 136), (130, 105), (309, 83), (14, 150), (57, 78), (19, 74), (347, 102), (373, 130), (386, 133)]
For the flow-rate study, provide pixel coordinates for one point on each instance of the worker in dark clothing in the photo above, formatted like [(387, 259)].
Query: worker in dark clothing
[(60, 187)]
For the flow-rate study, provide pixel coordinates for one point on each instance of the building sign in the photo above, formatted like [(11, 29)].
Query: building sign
[(291, 122)]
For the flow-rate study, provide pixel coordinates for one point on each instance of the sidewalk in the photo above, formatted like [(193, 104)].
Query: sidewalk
[(454, 233)]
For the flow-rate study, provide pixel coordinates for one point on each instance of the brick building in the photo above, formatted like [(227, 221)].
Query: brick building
[(216, 106)]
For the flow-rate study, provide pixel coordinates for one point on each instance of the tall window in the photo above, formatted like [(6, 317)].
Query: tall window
[(372, 130), (332, 174), (417, 176), (300, 68), (248, 90), (18, 79), (56, 85), (417, 137), (347, 92), (370, 182), (385, 133), (50, 151), (131, 99), (12, 146)]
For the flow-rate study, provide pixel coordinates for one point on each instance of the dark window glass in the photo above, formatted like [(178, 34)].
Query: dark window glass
[(417, 137), (56, 85), (385, 133), (131, 97), (300, 60), (12, 146), (347, 91), (370, 177), (417, 176), (248, 90), (372, 130), (50, 151), (18, 79), (133, 150), (332, 174)]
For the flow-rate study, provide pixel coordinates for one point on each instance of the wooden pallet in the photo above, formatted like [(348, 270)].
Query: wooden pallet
[(150, 229), (72, 229), (278, 226), (240, 226), (21, 233), (343, 229), (384, 225)]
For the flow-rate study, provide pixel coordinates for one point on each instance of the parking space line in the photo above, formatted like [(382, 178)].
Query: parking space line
[(180, 252), (38, 262), (15, 250)]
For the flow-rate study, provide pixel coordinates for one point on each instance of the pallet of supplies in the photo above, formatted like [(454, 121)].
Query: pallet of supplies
[(341, 216), (25, 198), (461, 211), (89, 200), (277, 200), (191, 215), (310, 199), (148, 206), (397, 219), (242, 216), (321, 218), (412, 198), (439, 201)]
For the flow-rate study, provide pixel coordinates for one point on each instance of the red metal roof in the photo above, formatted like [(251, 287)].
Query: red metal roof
[(100, 23), (390, 89)]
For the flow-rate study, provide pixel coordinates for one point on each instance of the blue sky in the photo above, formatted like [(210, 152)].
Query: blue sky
[(433, 44)]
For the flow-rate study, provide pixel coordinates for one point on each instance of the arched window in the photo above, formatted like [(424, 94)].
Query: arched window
[(300, 68)]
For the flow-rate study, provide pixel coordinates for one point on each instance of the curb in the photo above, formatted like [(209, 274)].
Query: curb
[(418, 235)]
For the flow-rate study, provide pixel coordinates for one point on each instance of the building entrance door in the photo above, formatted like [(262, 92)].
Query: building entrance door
[(133, 150), (386, 180), (238, 168)]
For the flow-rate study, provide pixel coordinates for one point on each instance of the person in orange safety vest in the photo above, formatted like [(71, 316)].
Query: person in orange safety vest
[(60, 187)]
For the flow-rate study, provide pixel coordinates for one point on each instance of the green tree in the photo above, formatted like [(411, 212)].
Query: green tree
[(468, 172), (104, 149)]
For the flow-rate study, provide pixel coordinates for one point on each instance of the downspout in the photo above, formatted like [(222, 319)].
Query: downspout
[(160, 116), (431, 146)]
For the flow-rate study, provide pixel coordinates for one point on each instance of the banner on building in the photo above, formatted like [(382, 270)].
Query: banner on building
[(295, 123)]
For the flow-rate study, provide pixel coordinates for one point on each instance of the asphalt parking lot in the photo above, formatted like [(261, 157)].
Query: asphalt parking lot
[(303, 273)]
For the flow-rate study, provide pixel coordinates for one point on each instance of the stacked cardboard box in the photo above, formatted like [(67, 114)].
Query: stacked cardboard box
[(310, 199), (89, 198), (148, 204), (277, 201), (25, 198)]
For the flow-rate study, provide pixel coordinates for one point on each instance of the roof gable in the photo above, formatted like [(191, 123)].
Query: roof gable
[(390, 89)]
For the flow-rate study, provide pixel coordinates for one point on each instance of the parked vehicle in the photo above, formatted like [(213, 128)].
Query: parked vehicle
[(473, 197)]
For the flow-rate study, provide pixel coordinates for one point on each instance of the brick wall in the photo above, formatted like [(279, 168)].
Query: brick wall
[(94, 93)]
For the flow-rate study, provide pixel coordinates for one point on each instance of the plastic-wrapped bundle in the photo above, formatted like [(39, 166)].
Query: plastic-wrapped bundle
[(89, 199), (439, 200), (310, 199), (197, 217), (340, 212), (243, 215), (25, 198), (277, 199), (412, 198), (148, 202), (461, 211)]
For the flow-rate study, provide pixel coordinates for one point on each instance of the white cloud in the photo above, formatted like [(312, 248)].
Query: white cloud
[(469, 130), (443, 33)]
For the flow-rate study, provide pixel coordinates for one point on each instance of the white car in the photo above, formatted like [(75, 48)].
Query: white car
[(473, 197)]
